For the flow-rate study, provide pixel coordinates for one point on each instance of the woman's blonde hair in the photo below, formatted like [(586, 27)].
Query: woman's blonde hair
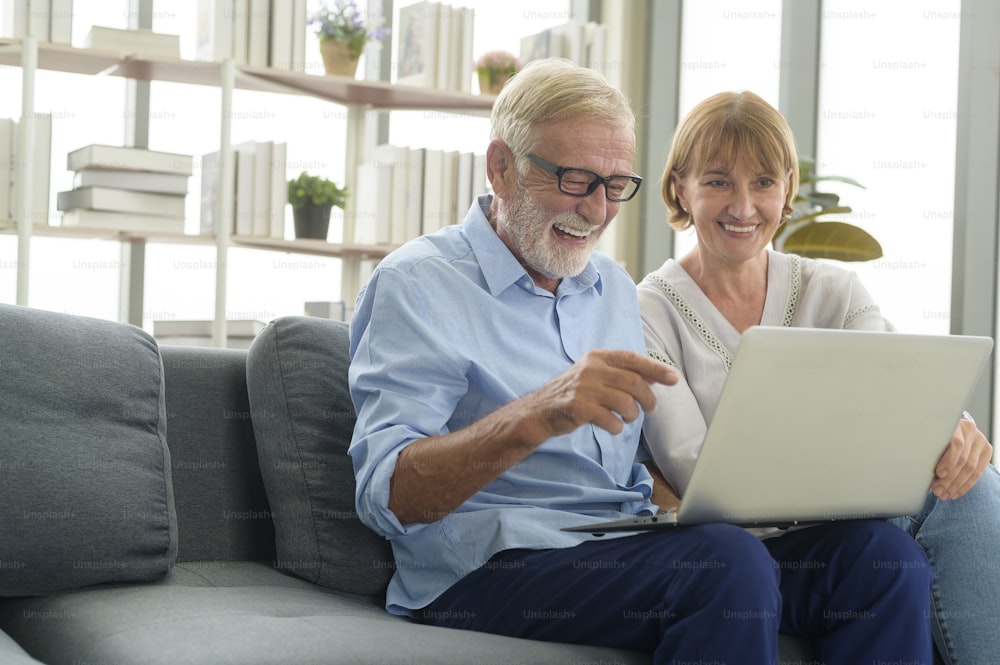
[(550, 90), (730, 128)]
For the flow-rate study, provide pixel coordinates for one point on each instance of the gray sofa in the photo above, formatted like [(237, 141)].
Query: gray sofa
[(208, 516)]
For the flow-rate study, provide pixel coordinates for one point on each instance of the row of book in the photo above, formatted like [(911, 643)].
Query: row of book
[(128, 189), (434, 46), (582, 42), (258, 33), (11, 155), (406, 192), (260, 190), (45, 20)]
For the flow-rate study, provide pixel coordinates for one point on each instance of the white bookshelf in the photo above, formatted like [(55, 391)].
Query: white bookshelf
[(358, 97)]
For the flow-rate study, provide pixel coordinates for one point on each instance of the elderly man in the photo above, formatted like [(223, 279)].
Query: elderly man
[(499, 375)]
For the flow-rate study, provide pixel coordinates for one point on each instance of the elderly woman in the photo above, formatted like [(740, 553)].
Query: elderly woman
[(732, 174)]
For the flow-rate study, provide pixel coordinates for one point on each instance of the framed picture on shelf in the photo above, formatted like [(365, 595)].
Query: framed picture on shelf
[(416, 44)]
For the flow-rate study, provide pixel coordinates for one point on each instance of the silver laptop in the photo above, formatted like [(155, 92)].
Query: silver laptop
[(816, 425)]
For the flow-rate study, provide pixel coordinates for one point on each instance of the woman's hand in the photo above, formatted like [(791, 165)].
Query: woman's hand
[(963, 462)]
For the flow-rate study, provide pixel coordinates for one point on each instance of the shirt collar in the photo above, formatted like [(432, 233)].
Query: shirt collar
[(501, 269)]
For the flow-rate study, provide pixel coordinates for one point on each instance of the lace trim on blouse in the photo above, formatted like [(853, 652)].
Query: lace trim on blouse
[(693, 320), (856, 314), (794, 290), (656, 355)]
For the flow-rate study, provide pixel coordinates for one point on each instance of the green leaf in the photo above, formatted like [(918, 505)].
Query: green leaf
[(832, 240)]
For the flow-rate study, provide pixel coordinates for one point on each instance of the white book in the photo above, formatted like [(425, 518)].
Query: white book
[(383, 203), (432, 200), (234, 328), (444, 55), (214, 30), (243, 209), (61, 21), (121, 200), (278, 198), (143, 43), (241, 30), (463, 185), (467, 64), (365, 204), (38, 19), (122, 221), (414, 193), (456, 48), (142, 181), (281, 34), (449, 187), (574, 42), (7, 137), (99, 156), (258, 33), (210, 188), (395, 160), (596, 37), (299, 36), (262, 188), (480, 185), (416, 44), (14, 18), (41, 173)]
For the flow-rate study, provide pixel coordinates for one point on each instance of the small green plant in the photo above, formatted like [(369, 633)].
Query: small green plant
[(315, 190), (806, 235)]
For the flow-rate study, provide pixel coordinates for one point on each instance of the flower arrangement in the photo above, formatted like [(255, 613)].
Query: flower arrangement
[(346, 23), (494, 68), (315, 190)]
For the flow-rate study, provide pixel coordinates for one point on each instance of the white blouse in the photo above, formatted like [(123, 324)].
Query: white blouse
[(685, 330)]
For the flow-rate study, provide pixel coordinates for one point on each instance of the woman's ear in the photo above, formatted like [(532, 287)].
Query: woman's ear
[(500, 169), (678, 187)]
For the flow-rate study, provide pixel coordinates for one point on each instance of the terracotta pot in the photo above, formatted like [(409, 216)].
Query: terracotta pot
[(312, 221), (337, 58)]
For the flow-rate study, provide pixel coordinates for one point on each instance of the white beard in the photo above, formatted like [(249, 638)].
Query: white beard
[(523, 224)]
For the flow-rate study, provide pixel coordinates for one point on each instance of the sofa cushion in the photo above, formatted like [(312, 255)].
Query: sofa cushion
[(86, 494), (303, 419)]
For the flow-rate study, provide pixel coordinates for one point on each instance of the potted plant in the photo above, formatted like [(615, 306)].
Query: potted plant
[(312, 198), (494, 68), (806, 235), (343, 32)]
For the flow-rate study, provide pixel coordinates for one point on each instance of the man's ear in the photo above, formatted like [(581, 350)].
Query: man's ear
[(500, 168)]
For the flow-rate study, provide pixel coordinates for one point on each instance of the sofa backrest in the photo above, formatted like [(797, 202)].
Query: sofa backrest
[(222, 510)]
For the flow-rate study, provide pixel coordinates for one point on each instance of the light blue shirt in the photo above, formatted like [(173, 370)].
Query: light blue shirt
[(449, 328)]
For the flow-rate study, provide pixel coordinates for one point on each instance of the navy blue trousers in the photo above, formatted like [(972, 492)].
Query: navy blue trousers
[(860, 590)]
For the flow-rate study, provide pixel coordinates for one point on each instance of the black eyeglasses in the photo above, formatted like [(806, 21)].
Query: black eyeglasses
[(581, 182)]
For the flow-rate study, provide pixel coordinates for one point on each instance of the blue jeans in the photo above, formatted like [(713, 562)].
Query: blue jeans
[(712, 593), (962, 539)]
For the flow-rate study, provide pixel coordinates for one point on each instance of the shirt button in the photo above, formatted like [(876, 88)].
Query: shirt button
[(527, 283)]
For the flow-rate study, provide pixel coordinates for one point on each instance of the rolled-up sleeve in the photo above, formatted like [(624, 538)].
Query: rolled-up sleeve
[(404, 384)]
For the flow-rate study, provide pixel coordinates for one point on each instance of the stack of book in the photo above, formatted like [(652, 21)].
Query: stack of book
[(11, 156), (583, 43), (144, 43), (46, 20), (260, 190), (259, 33), (128, 189), (406, 192), (434, 46)]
